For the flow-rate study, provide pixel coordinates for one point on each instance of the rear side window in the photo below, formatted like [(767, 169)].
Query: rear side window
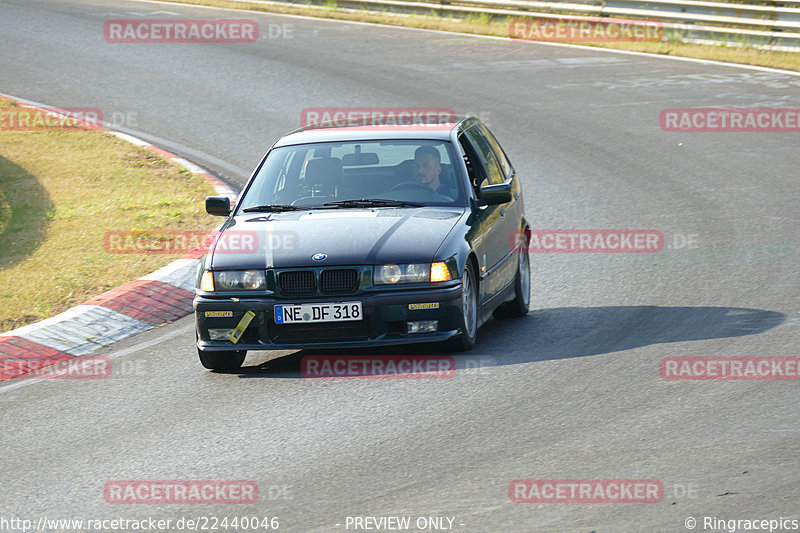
[(501, 156), (486, 157)]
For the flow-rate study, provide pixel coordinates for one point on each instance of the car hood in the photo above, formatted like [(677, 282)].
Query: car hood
[(344, 236)]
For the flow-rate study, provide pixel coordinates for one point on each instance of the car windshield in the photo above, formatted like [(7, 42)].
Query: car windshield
[(331, 174)]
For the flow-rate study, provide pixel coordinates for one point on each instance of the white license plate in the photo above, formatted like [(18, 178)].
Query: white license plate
[(310, 313)]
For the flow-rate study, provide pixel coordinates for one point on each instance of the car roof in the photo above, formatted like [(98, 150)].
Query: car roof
[(367, 129)]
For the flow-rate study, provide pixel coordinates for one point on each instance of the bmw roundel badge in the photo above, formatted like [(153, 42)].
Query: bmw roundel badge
[(319, 257)]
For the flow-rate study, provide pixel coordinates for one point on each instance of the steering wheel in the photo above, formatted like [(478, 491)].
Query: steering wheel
[(413, 185)]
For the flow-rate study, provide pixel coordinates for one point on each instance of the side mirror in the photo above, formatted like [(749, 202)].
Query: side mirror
[(495, 194), (218, 205)]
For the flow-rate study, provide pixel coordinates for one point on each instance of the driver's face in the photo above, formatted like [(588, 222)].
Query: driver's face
[(427, 170)]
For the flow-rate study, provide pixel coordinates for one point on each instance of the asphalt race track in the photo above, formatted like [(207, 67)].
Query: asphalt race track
[(571, 392)]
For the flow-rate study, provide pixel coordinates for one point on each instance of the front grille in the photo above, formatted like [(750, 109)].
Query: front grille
[(338, 281), (297, 282), (359, 330)]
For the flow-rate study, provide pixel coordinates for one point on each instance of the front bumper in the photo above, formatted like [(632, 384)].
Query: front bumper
[(385, 321)]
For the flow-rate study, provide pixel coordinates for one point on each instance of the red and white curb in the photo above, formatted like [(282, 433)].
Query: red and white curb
[(158, 298)]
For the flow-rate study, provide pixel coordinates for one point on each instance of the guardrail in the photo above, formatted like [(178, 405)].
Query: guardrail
[(772, 24)]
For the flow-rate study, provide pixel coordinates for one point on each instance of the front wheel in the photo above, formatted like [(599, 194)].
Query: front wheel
[(222, 361), (469, 312)]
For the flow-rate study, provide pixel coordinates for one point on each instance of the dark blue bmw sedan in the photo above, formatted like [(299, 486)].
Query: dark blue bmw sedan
[(365, 236)]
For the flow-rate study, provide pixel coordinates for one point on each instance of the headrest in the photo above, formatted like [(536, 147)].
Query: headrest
[(324, 171)]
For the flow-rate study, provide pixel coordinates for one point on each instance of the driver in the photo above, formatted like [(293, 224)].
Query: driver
[(427, 168)]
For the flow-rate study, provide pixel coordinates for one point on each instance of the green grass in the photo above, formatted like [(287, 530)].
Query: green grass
[(60, 192), (5, 212)]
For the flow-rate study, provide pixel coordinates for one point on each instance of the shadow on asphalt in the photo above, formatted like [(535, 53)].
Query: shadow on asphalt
[(560, 333)]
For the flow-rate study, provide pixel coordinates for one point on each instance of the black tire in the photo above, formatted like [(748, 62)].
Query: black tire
[(522, 290), (469, 299), (222, 361)]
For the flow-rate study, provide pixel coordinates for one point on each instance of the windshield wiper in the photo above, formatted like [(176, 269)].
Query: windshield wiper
[(271, 208), (374, 202)]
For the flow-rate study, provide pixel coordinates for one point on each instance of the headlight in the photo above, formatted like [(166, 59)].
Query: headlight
[(412, 273), (234, 280), (386, 274)]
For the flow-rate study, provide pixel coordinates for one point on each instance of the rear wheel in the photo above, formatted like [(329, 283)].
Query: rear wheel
[(522, 290), (469, 312), (222, 361)]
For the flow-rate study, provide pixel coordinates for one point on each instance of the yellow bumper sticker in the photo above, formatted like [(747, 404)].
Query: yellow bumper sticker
[(237, 333), (210, 314), (416, 307)]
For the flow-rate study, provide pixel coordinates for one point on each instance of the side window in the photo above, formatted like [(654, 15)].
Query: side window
[(501, 156), (486, 157)]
